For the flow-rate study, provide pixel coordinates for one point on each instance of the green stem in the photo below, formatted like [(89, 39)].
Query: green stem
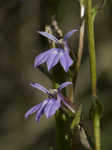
[(96, 123), (91, 43)]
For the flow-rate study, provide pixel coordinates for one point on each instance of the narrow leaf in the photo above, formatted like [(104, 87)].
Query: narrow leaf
[(76, 119)]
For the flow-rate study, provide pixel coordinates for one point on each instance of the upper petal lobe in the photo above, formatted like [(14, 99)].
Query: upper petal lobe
[(40, 87), (69, 34), (63, 85), (49, 36)]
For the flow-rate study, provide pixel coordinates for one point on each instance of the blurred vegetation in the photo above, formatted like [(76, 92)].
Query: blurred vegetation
[(19, 44)]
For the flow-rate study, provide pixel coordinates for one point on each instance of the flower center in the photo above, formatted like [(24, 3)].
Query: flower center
[(61, 43), (53, 93)]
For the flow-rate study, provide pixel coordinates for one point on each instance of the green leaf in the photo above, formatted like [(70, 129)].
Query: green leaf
[(94, 12), (98, 7), (76, 119)]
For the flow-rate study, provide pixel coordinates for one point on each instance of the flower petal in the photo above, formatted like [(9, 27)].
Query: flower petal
[(60, 97), (69, 34), (41, 110), (66, 61), (55, 107), (51, 107), (32, 110), (42, 57), (53, 59), (40, 87), (49, 36), (66, 47), (48, 107), (63, 85)]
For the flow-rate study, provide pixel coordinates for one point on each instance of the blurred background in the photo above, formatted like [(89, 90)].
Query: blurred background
[(20, 43)]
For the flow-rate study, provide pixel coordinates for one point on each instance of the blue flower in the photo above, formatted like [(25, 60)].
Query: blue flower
[(50, 105), (54, 55)]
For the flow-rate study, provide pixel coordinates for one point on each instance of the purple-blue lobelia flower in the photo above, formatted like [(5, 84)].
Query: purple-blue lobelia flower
[(54, 55), (50, 105)]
